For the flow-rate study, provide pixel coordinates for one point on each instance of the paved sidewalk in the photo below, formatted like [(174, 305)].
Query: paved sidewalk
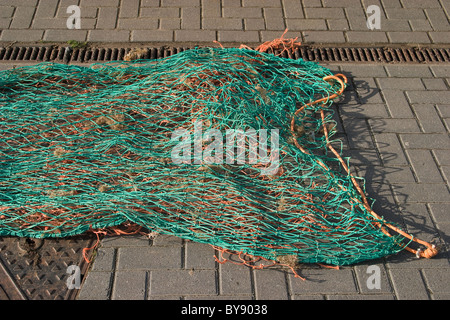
[(395, 123), (240, 21)]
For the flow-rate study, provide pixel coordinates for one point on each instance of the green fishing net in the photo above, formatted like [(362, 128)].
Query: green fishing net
[(202, 145)]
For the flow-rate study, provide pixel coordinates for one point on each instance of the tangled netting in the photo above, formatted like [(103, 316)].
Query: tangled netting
[(86, 148)]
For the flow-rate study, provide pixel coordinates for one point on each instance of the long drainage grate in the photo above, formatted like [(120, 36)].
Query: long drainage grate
[(317, 54)]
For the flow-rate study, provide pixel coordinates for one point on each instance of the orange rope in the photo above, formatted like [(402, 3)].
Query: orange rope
[(431, 250)]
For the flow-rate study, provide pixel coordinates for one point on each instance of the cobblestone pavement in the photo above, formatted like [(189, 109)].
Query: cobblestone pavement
[(394, 121), (242, 21)]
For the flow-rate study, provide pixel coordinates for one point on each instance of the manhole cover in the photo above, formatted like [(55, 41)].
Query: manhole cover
[(38, 269)]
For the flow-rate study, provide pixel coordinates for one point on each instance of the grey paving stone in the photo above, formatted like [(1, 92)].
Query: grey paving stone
[(408, 71), (306, 24), (429, 119), (167, 240), (152, 12), (154, 35), (364, 157), (126, 241), (439, 211), (425, 141), (442, 157), (360, 297), (390, 149), (5, 22), (368, 280), (195, 35), (65, 35), (367, 90), (292, 9), (190, 18), (408, 284), (429, 96), (396, 25), (6, 11), (46, 9), (341, 3), (211, 8), (364, 71), (19, 3), (397, 104), (358, 133), (183, 282), (408, 37), (364, 111), (311, 3), (261, 3), (23, 35), (440, 71), (365, 37), (129, 9), (438, 19), (424, 166), (86, 12), (226, 23), (238, 12), (130, 285), (22, 19), (393, 125), (199, 256), (400, 83), (253, 24), (402, 13), (180, 3), (235, 279), (99, 3), (271, 285), (150, 3), (421, 192), (421, 4), (104, 260), (434, 84), (327, 13), (107, 18), (269, 35), (356, 18), (418, 222), (96, 286), (238, 36), (55, 23), (420, 25), (323, 281), (110, 36), (231, 3), (386, 174), (323, 36), (338, 24), (170, 23), (138, 24), (146, 258)]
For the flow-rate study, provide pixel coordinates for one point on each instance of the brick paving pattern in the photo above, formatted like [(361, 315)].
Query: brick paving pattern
[(241, 21)]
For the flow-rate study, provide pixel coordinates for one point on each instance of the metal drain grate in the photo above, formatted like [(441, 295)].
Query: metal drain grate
[(322, 54)]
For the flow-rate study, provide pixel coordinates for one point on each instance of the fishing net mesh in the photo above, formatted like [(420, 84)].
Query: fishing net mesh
[(149, 142)]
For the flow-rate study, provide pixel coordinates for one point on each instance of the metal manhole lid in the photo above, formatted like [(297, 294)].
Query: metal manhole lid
[(37, 269)]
